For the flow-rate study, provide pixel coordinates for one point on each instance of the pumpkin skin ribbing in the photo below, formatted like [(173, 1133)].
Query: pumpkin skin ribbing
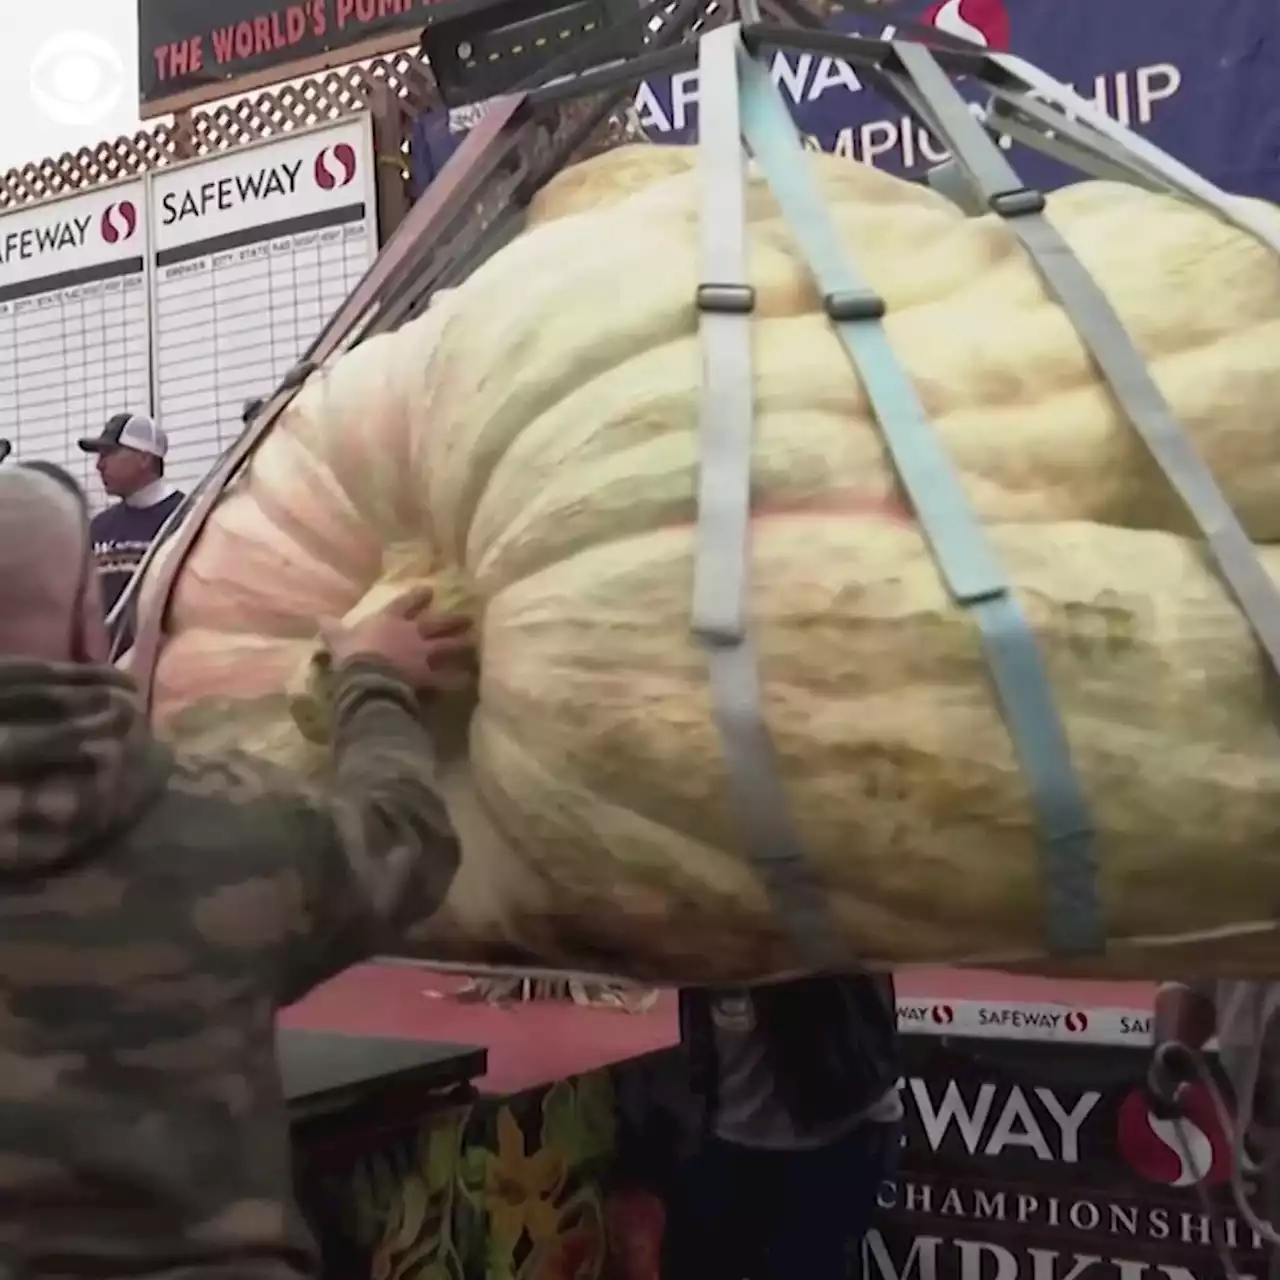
[(530, 444)]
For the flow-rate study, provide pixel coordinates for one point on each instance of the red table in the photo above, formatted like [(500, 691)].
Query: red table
[(537, 1043)]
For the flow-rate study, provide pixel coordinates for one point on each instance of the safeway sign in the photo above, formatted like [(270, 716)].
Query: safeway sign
[(1040, 1161), (993, 1119), (1196, 79)]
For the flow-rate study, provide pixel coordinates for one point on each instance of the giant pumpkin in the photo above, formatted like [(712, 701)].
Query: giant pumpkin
[(529, 446)]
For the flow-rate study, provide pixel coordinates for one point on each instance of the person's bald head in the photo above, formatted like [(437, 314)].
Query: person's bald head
[(50, 611)]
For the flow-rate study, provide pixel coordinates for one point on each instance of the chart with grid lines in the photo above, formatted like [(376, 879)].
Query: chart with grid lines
[(74, 332), (252, 253)]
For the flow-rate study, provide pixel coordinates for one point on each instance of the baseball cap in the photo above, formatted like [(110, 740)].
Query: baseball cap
[(128, 431)]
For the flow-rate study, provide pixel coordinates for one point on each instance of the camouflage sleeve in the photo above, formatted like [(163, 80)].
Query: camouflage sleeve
[(384, 853)]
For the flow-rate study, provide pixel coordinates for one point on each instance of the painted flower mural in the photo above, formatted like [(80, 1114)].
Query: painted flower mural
[(503, 1190), (522, 1189)]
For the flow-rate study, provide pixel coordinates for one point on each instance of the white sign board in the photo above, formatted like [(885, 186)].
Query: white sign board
[(252, 252), (73, 322)]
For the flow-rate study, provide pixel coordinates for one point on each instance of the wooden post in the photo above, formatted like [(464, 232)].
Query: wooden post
[(389, 136), (184, 136)]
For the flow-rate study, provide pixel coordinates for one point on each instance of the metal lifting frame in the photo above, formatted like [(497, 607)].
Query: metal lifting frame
[(477, 204)]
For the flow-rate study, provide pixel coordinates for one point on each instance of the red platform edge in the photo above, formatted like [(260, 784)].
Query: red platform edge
[(534, 1044)]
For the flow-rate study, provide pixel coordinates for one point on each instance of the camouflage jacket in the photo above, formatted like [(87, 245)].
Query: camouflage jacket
[(155, 912)]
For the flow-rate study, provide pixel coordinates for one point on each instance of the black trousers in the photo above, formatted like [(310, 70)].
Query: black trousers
[(745, 1213)]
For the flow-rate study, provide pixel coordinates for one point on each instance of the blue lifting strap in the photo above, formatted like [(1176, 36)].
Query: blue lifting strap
[(721, 579), (1074, 922), (1117, 359)]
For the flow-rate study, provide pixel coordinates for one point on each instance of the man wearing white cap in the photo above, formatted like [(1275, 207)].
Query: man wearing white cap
[(130, 454)]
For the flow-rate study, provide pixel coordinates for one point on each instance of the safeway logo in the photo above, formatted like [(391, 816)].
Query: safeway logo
[(1041, 1021), (1152, 1149), (925, 1015), (982, 22), (335, 167), (119, 221)]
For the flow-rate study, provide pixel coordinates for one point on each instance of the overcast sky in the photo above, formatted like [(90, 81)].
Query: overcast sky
[(68, 75)]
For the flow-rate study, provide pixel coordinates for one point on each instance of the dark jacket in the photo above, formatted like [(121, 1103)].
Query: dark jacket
[(120, 536), (831, 1042), (155, 912)]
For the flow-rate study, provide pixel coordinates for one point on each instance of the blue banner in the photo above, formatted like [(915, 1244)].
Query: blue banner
[(1199, 78)]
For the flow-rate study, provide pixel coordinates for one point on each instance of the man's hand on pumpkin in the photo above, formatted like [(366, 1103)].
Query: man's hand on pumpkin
[(432, 652)]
